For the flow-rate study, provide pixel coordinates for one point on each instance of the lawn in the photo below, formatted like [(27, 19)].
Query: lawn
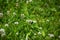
[(29, 19)]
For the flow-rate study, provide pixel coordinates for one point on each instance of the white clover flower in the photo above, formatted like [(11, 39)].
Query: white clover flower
[(39, 32), (3, 35), (17, 33), (14, 13), (30, 0), (17, 4), (35, 34), (1, 15), (16, 22), (40, 28), (59, 36), (34, 21), (22, 16), (2, 32), (47, 20), (6, 25), (8, 12), (51, 35), (27, 2), (29, 21)]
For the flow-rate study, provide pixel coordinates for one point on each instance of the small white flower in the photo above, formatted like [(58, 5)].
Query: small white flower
[(17, 33), (1, 15), (8, 12), (16, 22), (29, 21), (39, 32), (3, 35), (40, 28), (30, 0), (14, 13), (2, 32), (51, 35), (59, 36), (27, 2), (47, 20), (35, 34), (22, 16), (6, 25), (17, 4), (34, 21)]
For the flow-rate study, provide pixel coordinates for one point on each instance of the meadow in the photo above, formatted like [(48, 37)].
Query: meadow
[(29, 19)]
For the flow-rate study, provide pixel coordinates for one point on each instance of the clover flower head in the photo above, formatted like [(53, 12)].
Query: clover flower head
[(1, 15), (2, 32), (51, 35)]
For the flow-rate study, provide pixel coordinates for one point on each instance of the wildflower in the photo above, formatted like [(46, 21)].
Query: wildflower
[(51, 35), (35, 34), (29, 21), (39, 32), (8, 12), (14, 13), (40, 28), (47, 20), (17, 4), (27, 2), (1, 15), (17, 33), (30, 0), (2, 32), (6, 25), (22, 16), (34, 21), (16, 23), (59, 36)]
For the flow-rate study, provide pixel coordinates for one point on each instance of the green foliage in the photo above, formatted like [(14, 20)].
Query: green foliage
[(42, 15)]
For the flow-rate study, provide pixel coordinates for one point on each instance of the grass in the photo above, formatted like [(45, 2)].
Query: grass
[(30, 20)]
